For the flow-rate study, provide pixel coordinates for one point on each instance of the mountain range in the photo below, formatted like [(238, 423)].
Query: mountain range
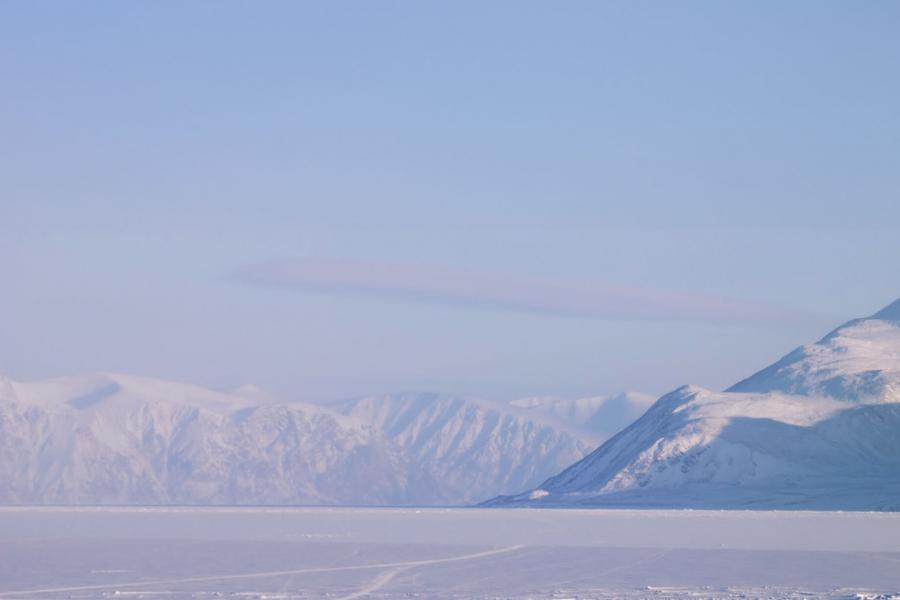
[(818, 429), (119, 439)]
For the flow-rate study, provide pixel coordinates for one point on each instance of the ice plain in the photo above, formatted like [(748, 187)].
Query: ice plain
[(291, 552)]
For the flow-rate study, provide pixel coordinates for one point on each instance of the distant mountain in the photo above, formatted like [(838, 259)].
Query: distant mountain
[(467, 447), (596, 418), (819, 429), (116, 439), (119, 439)]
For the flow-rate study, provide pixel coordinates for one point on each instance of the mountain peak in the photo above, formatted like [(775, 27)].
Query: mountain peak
[(891, 312)]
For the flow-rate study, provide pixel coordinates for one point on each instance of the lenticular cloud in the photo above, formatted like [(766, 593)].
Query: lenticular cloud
[(464, 288)]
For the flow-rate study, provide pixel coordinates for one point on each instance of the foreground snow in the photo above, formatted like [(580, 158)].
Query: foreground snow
[(286, 553), (818, 429)]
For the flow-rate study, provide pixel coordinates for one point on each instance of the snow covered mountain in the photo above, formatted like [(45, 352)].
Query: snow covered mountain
[(818, 429), (858, 361), (467, 446), (110, 438), (116, 439), (597, 417)]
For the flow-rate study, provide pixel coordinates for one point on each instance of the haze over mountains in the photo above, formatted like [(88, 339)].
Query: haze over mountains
[(120, 439), (818, 429)]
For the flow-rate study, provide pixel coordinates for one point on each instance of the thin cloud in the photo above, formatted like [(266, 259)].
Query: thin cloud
[(462, 288)]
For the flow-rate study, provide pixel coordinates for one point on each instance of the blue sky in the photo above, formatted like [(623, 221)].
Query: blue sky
[(505, 198)]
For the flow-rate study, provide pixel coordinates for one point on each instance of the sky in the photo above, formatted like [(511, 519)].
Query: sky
[(504, 199)]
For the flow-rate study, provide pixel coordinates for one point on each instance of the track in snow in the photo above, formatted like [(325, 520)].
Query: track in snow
[(266, 574)]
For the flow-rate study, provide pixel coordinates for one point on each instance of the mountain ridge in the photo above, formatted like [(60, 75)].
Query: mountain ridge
[(102, 438), (816, 430)]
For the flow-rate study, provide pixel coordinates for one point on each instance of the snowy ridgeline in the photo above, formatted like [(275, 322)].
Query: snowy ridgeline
[(117, 439), (819, 429)]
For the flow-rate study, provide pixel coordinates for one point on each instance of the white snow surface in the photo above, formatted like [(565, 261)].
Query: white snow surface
[(294, 553), (118, 439), (819, 429)]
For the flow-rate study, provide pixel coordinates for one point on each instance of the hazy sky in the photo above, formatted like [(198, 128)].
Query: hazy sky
[(500, 198)]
